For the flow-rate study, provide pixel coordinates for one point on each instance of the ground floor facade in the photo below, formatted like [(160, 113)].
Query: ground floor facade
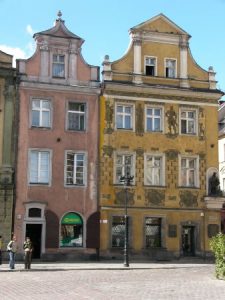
[(68, 235), (158, 233)]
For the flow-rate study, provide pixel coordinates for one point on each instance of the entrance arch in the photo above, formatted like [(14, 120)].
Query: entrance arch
[(34, 226)]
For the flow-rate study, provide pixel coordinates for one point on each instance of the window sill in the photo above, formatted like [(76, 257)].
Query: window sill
[(38, 184), (40, 127), (189, 187), (76, 130), (75, 186), (154, 186), (188, 134), (58, 77), (125, 129), (154, 131)]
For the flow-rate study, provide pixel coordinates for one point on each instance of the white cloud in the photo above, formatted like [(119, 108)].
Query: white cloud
[(16, 52), (29, 30)]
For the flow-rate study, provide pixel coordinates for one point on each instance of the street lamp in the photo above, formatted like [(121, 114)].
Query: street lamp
[(127, 182)]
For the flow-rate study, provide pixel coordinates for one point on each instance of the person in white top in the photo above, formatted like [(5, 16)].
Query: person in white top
[(12, 249)]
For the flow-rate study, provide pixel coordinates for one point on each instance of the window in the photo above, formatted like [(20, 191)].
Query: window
[(75, 168), (41, 113), (188, 121), (153, 119), (153, 232), (154, 170), (39, 167), (150, 66), (170, 69), (58, 66), (124, 116), (118, 231), (71, 231), (124, 166), (189, 172), (76, 116)]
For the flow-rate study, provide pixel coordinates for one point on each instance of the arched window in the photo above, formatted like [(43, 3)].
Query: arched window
[(34, 212), (71, 230)]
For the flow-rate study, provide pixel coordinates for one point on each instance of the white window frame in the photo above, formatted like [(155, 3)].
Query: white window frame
[(166, 59), (124, 154), (41, 110), (75, 153), (30, 151), (162, 168), (155, 117), (186, 110), (76, 112), (196, 173), (146, 57), (124, 114), (58, 63)]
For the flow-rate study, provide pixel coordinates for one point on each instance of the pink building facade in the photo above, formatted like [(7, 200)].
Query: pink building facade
[(56, 181)]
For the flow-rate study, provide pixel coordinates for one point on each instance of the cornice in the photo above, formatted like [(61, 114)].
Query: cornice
[(94, 90), (145, 92)]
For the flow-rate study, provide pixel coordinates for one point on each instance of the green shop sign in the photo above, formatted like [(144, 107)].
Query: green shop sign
[(71, 219)]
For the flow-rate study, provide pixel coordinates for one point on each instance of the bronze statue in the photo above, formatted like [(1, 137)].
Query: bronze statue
[(214, 185)]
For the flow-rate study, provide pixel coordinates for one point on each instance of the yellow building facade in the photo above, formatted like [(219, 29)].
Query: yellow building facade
[(158, 123)]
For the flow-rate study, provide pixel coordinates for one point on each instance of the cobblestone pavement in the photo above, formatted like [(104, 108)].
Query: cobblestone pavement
[(161, 283)]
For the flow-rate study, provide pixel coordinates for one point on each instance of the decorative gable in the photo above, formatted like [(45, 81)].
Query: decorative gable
[(160, 24)]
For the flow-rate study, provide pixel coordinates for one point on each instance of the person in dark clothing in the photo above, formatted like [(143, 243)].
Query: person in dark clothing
[(28, 248)]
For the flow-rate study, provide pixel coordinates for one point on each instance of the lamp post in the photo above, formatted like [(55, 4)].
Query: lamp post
[(127, 182)]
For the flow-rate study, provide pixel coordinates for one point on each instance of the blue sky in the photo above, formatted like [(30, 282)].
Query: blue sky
[(104, 26)]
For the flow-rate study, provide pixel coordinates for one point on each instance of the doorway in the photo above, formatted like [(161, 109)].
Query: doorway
[(33, 231), (188, 240)]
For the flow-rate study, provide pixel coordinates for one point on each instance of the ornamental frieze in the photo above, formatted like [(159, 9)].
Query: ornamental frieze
[(139, 120), (108, 117), (139, 152), (188, 199), (172, 123), (122, 195), (201, 119), (154, 197), (171, 154), (107, 150)]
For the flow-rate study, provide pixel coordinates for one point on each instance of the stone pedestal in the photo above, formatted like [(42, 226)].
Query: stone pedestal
[(214, 202)]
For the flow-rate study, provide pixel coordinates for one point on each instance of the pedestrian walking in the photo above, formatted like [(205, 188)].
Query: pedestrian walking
[(0, 249), (12, 248), (28, 248)]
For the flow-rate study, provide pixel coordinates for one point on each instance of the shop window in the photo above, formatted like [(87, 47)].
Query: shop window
[(213, 229), (153, 232), (118, 231), (71, 231)]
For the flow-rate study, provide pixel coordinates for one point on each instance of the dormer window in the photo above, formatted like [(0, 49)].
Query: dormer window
[(170, 68), (58, 66), (150, 66)]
